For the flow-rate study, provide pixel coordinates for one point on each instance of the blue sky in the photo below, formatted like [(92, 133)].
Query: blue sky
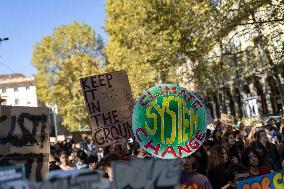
[(25, 22)]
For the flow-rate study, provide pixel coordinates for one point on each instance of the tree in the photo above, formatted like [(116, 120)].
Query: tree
[(151, 39), (70, 53), (154, 38)]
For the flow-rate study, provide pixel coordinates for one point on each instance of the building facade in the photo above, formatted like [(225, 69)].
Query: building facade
[(259, 96), (18, 90)]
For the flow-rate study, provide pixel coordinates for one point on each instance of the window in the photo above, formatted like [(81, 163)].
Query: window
[(16, 90), (28, 87), (16, 101), (3, 90)]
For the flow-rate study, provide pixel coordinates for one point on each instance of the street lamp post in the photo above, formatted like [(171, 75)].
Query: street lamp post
[(54, 112), (2, 100)]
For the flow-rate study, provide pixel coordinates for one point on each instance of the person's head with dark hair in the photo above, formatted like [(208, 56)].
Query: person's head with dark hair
[(52, 148), (201, 160), (112, 148), (53, 156), (242, 126), (228, 139), (261, 136), (82, 159), (100, 165), (119, 149), (249, 158), (136, 147), (273, 122), (258, 148), (218, 157), (64, 163), (53, 161), (190, 163), (63, 158), (106, 150), (63, 153), (236, 133), (190, 176), (229, 142), (82, 156), (262, 155), (58, 148), (235, 173), (107, 163), (208, 134), (93, 162), (229, 128), (217, 135), (147, 157), (52, 153)]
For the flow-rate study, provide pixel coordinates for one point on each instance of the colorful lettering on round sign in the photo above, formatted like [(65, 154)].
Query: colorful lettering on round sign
[(169, 121)]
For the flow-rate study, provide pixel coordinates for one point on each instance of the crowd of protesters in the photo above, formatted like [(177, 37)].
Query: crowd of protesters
[(230, 153)]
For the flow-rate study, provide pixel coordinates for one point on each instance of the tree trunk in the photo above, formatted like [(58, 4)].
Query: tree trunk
[(218, 106)]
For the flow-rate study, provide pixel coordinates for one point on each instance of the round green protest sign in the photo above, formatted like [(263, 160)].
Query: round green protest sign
[(169, 121)]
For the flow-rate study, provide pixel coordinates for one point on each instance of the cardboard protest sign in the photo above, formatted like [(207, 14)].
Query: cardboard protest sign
[(52, 139), (75, 179), (60, 138), (251, 107), (169, 121), (273, 181), (24, 139), (11, 173), (152, 173), (109, 103), (19, 184)]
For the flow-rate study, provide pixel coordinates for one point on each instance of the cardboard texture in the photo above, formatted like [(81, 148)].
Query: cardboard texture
[(24, 138), (152, 173), (11, 173), (273, 180), (75, 179), (109, 102)]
